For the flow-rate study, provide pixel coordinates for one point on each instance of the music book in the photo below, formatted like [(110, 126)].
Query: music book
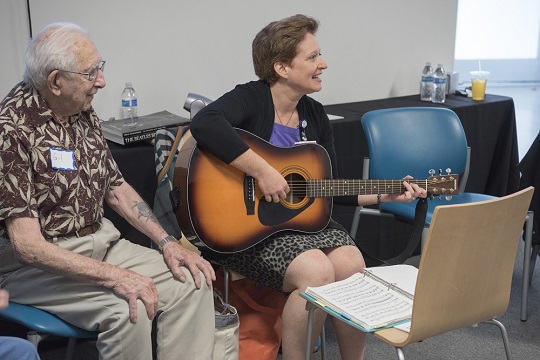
[(124, 131), (377, 298)]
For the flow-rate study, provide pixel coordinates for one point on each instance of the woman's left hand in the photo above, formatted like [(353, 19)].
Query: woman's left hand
[(412, 192)]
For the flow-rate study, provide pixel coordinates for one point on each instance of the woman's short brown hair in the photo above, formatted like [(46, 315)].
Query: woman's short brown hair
[(278, 42)]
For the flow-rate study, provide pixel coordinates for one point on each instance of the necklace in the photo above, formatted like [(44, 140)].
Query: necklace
[(279, 118)]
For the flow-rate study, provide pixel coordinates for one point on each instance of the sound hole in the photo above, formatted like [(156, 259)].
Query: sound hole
[(297, 186)]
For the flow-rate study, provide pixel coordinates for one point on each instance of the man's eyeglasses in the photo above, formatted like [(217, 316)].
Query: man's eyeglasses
[(92, 74)]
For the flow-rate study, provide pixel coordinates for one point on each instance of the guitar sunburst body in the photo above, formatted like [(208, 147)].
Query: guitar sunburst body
[(222, 207)]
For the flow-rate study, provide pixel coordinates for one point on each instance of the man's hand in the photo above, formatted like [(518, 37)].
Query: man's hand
[(133, 286), (177, 257)]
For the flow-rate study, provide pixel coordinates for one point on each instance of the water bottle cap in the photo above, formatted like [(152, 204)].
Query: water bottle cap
[(440, 65), (428, 63), (128, 84)]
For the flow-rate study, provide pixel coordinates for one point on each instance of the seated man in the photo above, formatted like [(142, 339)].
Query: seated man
[(12, 348), (57, 251)]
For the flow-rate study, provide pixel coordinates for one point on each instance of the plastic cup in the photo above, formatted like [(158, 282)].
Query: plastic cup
[(479, 80)]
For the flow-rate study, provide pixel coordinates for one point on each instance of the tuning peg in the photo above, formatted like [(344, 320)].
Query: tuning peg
[(448, 197), (440, 171), (448, 171), (431, 172)]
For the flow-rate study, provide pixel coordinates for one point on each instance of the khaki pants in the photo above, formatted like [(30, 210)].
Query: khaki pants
[(185, 326)]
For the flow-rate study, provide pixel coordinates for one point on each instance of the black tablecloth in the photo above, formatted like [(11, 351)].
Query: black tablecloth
[(137, 164)]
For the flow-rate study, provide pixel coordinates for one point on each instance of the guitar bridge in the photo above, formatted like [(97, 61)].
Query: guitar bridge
[(249, 194)]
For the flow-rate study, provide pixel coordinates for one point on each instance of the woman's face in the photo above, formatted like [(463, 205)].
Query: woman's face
[(306, 68)]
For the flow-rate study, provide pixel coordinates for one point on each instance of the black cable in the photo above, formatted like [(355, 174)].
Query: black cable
[(29, 17)]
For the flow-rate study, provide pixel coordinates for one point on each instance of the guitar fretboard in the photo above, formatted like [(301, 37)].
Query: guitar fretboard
[(338, 187)]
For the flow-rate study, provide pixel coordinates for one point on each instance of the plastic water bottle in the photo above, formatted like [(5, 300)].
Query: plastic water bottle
[(426, 84), (439, 85), (129, 102)]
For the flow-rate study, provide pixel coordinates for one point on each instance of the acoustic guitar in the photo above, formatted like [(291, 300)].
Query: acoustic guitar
[(221, 208)]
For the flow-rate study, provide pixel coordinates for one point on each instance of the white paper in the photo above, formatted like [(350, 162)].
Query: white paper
[(403, 276), (334, 117)]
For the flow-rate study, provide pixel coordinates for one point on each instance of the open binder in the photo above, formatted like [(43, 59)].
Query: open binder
[(378, 297)]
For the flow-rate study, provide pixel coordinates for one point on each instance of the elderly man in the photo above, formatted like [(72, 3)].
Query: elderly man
[(57, 251)]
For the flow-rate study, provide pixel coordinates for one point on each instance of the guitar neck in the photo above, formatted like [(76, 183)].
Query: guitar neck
[(339, 187)]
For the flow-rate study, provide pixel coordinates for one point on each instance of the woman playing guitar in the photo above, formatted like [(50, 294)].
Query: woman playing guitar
[(287, 59)]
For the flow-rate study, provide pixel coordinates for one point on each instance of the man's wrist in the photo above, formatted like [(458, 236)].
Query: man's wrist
[(167, 239)]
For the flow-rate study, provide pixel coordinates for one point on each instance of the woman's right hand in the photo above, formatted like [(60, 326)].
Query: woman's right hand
[(273, 185), (268, 180)]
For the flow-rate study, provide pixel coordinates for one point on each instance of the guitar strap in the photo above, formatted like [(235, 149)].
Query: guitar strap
[(172, 155), (415, 238)]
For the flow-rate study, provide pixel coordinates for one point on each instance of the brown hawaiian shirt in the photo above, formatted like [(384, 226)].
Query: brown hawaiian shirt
[(33, 183)]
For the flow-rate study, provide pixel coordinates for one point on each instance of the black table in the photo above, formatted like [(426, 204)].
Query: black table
[(137, 164)]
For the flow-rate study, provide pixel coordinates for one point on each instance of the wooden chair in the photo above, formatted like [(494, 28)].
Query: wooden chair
[(465, 272)]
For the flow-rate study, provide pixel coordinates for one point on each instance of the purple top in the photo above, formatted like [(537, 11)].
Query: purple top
[(284, 136)]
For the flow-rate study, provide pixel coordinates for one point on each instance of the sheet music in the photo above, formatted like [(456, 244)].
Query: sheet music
[(364, 300)]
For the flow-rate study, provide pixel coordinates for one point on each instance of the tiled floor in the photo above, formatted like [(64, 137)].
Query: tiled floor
[(527, 103)]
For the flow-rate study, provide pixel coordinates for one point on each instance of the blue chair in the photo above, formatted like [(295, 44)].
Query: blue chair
[(41, 324), (412, 141)]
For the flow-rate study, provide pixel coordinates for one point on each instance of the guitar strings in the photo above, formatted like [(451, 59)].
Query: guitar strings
[(392, 186)]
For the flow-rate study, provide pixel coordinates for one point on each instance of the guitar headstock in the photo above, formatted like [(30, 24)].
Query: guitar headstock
[(443, 185)]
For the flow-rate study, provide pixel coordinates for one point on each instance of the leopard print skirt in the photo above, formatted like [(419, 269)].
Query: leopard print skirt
[(266, 262)]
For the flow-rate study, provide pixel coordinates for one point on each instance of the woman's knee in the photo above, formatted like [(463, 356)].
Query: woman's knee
[(346, 260), (311, 268)]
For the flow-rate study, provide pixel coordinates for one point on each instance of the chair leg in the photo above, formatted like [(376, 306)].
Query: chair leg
[(311, 310), (526, 264), (226, 275), (424, 236), (534, 254), (71, 348), (33, 337), (504, 335), (323, 344), (355, 221), (400, 354)]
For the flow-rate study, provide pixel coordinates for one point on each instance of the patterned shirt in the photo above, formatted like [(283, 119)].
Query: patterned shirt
[(34, 183)]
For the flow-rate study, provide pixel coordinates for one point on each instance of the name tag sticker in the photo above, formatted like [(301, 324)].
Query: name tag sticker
[(62, 159)]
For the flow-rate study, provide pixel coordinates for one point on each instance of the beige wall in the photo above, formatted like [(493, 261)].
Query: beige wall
[(167, 48)]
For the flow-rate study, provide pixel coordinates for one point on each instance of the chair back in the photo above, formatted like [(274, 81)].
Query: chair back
[(413, 140), (465, 272)]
